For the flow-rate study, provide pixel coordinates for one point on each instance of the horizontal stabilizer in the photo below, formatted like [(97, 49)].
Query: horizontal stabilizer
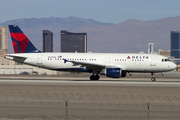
[(15, 58)]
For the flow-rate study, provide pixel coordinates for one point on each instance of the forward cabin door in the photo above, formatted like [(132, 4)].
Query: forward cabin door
[(153, 61)]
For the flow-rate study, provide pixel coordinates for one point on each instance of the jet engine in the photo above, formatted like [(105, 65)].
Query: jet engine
[(113, 72)]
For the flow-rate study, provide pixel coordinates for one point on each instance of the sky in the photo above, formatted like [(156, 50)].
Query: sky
[(109, 11)]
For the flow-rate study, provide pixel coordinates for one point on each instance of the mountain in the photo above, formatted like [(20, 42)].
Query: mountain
[(33, 28), (129, 36)]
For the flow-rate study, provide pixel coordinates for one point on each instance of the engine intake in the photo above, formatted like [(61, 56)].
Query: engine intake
[(113, 72)]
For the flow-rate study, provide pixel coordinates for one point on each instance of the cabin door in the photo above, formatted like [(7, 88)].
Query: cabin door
[(39, 59), (107, 60), (153, 61)]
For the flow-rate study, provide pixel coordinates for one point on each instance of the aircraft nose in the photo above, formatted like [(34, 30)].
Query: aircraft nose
[(173, 66)]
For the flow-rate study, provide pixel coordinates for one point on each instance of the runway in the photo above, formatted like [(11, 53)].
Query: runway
[(105, 99), (109, 83), (128, 87)]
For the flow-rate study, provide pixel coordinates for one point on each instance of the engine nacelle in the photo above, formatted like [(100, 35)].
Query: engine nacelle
[(113, 72)]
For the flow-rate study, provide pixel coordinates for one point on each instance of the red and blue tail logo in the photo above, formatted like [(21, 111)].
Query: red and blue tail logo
[(20, 42)]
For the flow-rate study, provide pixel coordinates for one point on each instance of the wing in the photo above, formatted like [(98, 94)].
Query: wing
[(89, 66)]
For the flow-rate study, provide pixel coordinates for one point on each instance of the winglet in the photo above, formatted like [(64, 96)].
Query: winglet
[(21, 43)]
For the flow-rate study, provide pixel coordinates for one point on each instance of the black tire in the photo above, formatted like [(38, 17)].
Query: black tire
[(94, 77), (153, 79), (91, 77)]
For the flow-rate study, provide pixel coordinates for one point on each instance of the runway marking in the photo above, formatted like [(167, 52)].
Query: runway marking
[(93, 83)]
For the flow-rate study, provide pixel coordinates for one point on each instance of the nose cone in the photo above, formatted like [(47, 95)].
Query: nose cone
[(173, 66)]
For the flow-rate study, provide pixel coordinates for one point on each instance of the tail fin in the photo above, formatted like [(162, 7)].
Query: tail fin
[(20, 42)]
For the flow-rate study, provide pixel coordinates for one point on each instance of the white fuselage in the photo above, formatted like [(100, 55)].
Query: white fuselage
[(126, 61)]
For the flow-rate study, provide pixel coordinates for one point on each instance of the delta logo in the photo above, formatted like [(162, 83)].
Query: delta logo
[(138, 57), (128, 57)]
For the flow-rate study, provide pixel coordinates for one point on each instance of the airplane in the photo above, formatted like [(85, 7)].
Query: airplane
[(113, 65)]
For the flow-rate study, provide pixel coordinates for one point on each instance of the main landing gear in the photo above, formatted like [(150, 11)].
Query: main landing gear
[(94, 77), (153, 78)]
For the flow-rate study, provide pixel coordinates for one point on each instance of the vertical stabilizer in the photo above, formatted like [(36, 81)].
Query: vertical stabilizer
[(20, 42)]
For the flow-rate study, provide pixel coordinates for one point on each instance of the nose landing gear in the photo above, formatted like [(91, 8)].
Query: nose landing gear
[(153, 78)]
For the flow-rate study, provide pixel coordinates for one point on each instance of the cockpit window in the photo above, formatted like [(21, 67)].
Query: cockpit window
[(165, 60)]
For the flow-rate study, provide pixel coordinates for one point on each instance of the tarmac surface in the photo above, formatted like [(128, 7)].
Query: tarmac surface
[(134, 97)]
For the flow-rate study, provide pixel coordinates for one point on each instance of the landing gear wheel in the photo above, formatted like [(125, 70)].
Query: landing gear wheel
[(94, 77), (153, 79)]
